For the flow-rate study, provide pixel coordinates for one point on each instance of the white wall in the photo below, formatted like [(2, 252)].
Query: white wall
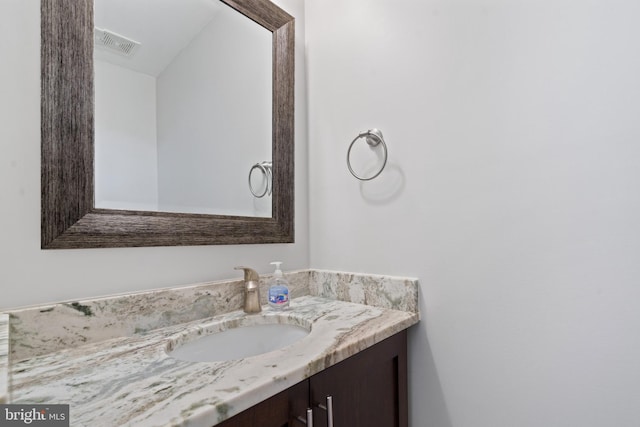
[(29, 275), (126, 160), (511, 192), (221, 111)]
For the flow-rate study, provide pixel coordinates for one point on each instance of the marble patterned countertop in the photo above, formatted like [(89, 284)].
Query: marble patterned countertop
[(4, 357), (129, 380)]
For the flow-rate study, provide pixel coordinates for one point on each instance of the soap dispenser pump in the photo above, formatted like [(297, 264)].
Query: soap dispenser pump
[(278, 289)]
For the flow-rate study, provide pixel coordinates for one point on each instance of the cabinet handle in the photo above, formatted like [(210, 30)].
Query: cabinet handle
[(329, 409), (309, 420)]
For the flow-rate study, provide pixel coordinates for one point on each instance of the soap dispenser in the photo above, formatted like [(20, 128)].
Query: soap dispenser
[(278, 289)]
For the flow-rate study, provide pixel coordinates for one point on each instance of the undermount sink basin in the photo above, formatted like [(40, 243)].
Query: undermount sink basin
[(236, 342)]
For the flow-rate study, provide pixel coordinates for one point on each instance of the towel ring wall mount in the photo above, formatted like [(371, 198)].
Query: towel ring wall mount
[(373, 137)]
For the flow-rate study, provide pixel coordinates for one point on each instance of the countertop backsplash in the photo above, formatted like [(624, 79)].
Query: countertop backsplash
[(395, 293), (48, 328)]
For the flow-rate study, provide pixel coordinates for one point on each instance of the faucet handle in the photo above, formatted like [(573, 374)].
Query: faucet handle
[(250, 275)]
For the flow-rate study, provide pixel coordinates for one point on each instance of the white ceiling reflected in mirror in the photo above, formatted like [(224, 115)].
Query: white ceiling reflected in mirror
[(183, 107)]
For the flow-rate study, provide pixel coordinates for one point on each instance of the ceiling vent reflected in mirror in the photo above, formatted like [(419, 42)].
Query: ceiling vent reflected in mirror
[(115, 43)]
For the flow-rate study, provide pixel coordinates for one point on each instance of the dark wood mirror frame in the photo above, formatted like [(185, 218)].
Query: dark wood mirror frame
[(69, 218)]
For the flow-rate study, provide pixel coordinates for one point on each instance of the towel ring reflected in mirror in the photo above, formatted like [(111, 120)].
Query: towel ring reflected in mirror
[(373, 137), (266, 169)]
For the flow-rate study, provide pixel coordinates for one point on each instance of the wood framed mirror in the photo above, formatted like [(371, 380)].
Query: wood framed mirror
[(69, 218)]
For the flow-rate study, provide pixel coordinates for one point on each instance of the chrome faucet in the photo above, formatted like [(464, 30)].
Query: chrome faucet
[(251, 290)]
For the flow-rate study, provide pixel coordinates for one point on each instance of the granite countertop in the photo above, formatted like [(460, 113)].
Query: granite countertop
[(4, 357), (131, 381)]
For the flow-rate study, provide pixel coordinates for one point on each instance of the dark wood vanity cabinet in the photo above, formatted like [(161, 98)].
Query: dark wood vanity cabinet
[(368, 389), (277, 411)]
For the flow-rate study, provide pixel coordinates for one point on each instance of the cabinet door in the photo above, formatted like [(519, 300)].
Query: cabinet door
[(368, 389), (280, 410)]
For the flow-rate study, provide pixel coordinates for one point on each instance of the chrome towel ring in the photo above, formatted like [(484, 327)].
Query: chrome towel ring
[(266, 168), (373, 138)]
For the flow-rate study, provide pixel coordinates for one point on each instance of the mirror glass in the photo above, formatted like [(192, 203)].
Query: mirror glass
[(183, 108)]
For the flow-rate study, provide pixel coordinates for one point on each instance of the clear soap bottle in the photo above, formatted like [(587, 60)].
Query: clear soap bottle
[(278, 289)]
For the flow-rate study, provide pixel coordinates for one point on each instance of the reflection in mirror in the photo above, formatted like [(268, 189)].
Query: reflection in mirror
[(182, 107)]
